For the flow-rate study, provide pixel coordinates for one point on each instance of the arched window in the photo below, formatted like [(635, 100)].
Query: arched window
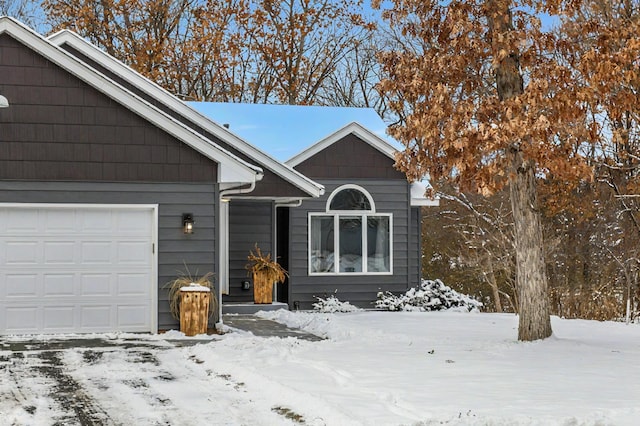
[(350, 237), (350, 197)]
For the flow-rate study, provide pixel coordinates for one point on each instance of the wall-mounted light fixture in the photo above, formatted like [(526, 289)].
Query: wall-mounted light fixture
[(4, 103), (187, 223)]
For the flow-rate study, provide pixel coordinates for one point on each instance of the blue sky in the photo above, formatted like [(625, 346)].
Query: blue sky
[(283, 131)]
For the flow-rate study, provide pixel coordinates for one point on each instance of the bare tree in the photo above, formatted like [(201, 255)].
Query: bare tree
[(26, 11)]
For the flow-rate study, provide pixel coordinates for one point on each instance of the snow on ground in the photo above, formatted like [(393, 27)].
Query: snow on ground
[(403, 368), (375, 368)]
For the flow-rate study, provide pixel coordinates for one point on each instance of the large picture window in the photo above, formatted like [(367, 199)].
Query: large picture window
[(350, 237)]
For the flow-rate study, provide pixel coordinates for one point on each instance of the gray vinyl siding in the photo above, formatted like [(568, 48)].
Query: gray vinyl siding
[(250, 223), (60, 128), (390, 196), (415, 247), (175, 249)]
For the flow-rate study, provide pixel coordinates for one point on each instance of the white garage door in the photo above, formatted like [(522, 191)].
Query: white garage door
[(77, 268)]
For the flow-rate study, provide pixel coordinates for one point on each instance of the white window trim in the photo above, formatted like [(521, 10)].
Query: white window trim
[(336, 218), (350, 186)]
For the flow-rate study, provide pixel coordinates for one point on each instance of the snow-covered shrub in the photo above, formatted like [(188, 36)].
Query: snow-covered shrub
[(333, 304), (430, 295)]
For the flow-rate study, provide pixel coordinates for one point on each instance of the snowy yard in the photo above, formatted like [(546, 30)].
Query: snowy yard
[(375, 368)]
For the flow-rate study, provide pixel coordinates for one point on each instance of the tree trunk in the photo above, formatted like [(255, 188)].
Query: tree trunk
[(531, 277), (493, 283)]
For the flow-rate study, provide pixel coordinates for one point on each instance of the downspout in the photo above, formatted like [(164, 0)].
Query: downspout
[(296, 203), (236, 191)]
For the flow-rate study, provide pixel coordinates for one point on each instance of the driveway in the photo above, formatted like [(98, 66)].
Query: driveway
[(123, 380), (94, 381)]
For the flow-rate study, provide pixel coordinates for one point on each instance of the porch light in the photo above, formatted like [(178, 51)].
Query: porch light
[(4, 103), (187, 223)]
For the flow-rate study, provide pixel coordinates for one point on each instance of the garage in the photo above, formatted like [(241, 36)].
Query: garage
[(77, 268)]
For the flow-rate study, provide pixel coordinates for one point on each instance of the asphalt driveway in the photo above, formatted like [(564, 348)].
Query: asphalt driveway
[(125, 380), (38, 386)]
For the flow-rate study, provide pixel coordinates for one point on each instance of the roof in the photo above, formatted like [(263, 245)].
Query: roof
[(231, 168), (286, 130), (294, 133), (185, 110), (352, 128)]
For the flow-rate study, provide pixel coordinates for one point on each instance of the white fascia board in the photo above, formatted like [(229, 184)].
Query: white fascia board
[(427, 202), (103, 58), (229, 166), (353, 128)]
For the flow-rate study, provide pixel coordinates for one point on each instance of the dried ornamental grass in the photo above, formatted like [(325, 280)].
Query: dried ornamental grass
[(185, 280), (262, 264)]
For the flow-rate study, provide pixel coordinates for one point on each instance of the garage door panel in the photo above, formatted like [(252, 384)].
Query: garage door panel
[(21, 253), (21, 285), (59, 222), (132, 285), (95, 317), (22, 319), (96, 221), (95, 285), (133, 253), (59, 252), (58, 285), (131, 317), (96, 252), (59, 317), (22, 222), (79, 269), (132, 223)]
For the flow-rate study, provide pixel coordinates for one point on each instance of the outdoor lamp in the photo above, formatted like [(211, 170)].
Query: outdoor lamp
[(4, 103), (187, 223)]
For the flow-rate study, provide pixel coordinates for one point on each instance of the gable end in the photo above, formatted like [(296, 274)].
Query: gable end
[(349, 158), (60, 128)]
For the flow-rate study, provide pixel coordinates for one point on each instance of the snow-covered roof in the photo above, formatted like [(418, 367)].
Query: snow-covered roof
[(285, 130)]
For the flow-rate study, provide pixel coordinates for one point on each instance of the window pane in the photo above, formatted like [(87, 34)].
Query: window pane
[(350, 199), (378, 244), (350, 239), (321, 256)]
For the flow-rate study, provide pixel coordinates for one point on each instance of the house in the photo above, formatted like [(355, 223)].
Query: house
[(102, 170)]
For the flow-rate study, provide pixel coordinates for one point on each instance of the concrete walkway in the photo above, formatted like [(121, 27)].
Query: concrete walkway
[(266, 328)]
